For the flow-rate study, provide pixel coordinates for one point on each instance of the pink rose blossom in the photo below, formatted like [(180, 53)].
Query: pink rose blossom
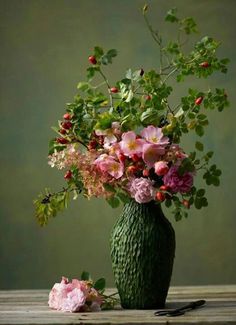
[(176, 182), (154, 135), (130, 145), (110, 134), (74, 296), (108, 164), (141, 189), (74, 301), (161, 168), (152, 153)]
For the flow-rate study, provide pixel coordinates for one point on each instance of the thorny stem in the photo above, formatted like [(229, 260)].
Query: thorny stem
[(108, 86)]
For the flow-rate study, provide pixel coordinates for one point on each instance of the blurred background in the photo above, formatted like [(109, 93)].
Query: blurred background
[(44, 53)]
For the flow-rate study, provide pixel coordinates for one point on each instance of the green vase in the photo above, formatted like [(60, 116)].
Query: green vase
[(142, 253)]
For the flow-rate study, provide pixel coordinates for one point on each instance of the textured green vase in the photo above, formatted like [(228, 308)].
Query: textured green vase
[(142, 253)]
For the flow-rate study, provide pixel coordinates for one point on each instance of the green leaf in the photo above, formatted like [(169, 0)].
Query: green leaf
[(109, 188), (83, 86), (171, 15), (199, 130), (113, 201), (85, 276), (123, 197), (199, 146), (100, 284), (201, 192), (112, 53), (98, 52)]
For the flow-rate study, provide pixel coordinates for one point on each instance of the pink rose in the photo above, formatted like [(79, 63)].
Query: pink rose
[(141, 189), (74, 296), (176, 182)]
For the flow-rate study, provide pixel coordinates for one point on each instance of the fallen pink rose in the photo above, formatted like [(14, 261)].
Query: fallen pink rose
[(74, 296)]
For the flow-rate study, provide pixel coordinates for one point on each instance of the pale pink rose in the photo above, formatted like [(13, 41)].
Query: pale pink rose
[(130, 145), (110, 134), (152, 153), (74, 301), (176, 182), (59, 293), (154, 135), (141, 189), (108, 164), (161, 168)]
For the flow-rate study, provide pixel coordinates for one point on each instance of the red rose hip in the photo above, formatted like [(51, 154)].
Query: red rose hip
[(68, 175), (92, 59), (160, 196), (145, 172), (114, 90), (164, 188), (186, 204), (199, 100), (66, 125), (67, 116), (204, 64), (62, 140)]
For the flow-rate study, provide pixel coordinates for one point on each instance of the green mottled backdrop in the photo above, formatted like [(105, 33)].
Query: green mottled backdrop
[(44, 48)]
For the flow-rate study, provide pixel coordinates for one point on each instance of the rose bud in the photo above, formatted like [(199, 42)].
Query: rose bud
[(92, 59), (199, 100), (160, 196), (161, 168), (148, 97)]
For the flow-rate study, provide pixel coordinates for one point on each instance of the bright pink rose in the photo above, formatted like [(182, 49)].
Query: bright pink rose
[(161, 168), (141, 189), (176, 182)]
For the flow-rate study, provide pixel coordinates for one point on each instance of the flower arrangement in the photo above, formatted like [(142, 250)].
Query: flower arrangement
[(122, 141), (80, 295)]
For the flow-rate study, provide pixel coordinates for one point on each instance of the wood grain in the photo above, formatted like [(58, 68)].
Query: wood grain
[(30, 307)]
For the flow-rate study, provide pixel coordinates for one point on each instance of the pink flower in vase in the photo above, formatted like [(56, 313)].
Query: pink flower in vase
[(108, 164), (154, 135), (141, 189), (152, 153), (130, 145), (176, 182)]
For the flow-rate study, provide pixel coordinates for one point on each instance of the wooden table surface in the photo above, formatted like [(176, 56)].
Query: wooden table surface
[(30, 307)]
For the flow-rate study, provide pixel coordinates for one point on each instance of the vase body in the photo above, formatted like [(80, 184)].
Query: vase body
[(142, 253)]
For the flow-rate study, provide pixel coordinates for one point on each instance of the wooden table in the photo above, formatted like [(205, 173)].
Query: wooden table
[(30, 307)]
